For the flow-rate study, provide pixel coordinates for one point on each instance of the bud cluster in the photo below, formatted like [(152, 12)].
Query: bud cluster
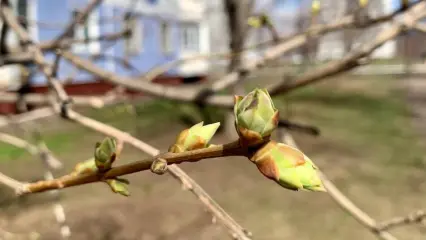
[(255, 119)]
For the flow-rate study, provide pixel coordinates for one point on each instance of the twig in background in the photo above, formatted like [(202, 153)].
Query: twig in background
[(345, 203), (44, 99), (68, 113), (10, 182), (188, 183), (40, 151), (28, 116), (81, 18), (193, 93), (350, 61), (415, 217)]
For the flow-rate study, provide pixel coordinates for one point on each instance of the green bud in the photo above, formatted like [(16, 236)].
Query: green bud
[(119, 185), (196, 137), (254, 22), (287, 166), (105, 153), (258, 21), (255, 117), (88, 166)]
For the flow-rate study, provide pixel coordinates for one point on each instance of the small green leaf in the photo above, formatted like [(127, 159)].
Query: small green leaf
[(88, 166), (105, 153), (315, 7), (254, 22), (196, 137), (119, 185)]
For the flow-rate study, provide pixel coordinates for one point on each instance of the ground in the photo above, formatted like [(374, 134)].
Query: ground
[(369, 146)]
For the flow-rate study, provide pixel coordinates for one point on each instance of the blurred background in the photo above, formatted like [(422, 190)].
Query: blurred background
[(358, 113)]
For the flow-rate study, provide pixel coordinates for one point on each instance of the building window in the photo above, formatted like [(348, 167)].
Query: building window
[(166, 37), (280, 3), (190, 37), (134, 42), (85, 34), (152, 1), (21, 10)]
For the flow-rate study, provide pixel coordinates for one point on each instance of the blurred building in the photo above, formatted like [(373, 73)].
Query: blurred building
[(291, 16), (335, 45), (162, 31)]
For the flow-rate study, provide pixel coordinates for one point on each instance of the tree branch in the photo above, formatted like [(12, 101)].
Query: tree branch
[(351, 60), (415, 217), (81, 18), (193, 93), (67, 42), (10, 182), (43, 99), (175, 171), (8, 17), (28, 116), (42, 152), (231, 149), (67, 112), (345, 203)]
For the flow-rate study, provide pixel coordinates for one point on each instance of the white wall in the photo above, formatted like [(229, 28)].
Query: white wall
[(164, 8), (195, 11), (331, 46)]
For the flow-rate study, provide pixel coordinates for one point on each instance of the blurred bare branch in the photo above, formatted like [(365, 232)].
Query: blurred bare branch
[(346, 204), (415, 217), (41, 151)]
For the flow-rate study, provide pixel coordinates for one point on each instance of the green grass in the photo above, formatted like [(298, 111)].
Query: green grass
[(377, 126), (58, 142)]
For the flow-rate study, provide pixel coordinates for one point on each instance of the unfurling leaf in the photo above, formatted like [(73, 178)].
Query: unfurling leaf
[(88, 166), (254, 22), (287, 166), (363, 3), (196, 137), (255, 117), (119, 185), (159, 166), (258, 21), (105, 153), (315, 7)]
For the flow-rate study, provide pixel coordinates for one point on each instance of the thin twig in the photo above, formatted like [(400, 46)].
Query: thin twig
[(28, 116), (345, 203), (58, 209), (24, 38), (10, 182), (194, 93), (188, 183), (80, 18), (40, 151), (350, 60), (70, 114), (230, 149), (66, 42), (43, 99), (347, 22), (415, 217)]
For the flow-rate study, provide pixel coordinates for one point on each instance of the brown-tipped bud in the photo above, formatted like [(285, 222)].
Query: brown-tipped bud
[(255, 117), (287, 166)]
